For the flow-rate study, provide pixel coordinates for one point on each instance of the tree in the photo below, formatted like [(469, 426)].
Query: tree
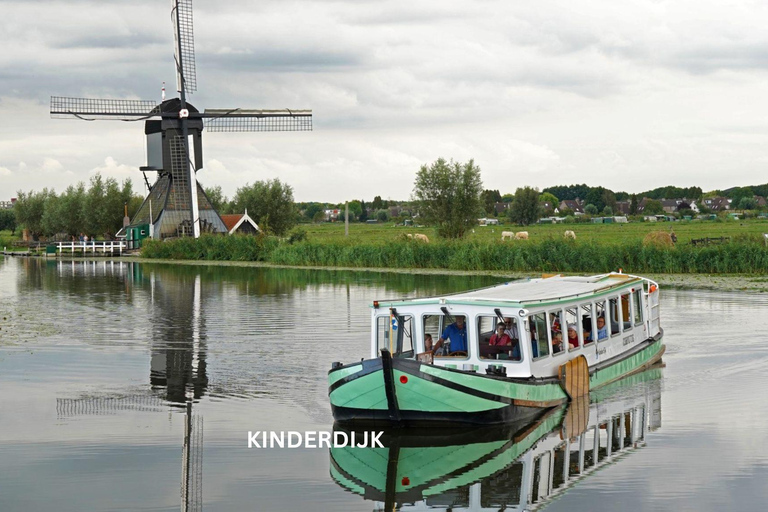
[(653, 207), (269, 203), (507, 198), (633, 205), (29, 209), (747, 203), (490, 198), (377, 203), (546, 197), (590, 209), (216, 197), (364, 212), (51, 222), (8, 220), (525, 209), (382, 215), (312, 209), (71, 209), (608, 211), (449, 195), (355, 209)]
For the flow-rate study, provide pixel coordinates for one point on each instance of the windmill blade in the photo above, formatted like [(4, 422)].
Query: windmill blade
[(90, 109), (186, 74), (242, 120)]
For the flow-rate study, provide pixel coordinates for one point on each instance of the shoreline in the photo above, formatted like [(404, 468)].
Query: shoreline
[(721, 282), (756, 283)]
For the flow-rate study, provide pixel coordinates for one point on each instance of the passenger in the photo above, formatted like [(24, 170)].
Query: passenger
[(511, 329), (554, 320), (602, 330), (573, 337), (427, 342), (586, 325), (557, 342), (500, 337), (456, 334)]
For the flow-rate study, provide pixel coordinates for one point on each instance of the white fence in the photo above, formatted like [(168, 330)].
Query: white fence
[(93, 247)]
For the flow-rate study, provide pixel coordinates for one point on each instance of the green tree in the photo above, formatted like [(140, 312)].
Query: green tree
[(653, 207), (216, 197), (51, 222), (377, 203), (590, 209), (269, 203), (546, 197), (8, 220), (490, 198), (507, 198), (382, 215), (525, 209), (311, 210), (608, 211), (747, 203), (633, 205), (71, 209), (29, 209), (95, 207), (449, 195), (363, 211), (355, 209)]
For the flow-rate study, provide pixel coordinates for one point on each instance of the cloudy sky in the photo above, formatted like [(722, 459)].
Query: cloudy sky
[(628, 95)]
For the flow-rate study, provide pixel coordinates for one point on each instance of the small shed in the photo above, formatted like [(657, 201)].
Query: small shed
[(240, 223)]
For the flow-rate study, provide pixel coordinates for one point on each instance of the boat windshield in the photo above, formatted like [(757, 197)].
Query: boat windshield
[(395, 333)]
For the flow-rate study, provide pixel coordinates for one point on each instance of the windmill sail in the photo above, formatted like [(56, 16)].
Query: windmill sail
[(93, 108), (186, 75), (249, 120)]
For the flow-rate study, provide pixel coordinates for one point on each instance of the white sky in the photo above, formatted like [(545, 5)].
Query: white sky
[(629, 95)]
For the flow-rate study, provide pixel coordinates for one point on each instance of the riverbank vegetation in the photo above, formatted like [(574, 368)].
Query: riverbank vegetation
[(743, 254)]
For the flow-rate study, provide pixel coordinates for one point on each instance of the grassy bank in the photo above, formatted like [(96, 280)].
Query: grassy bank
[(746, 254)]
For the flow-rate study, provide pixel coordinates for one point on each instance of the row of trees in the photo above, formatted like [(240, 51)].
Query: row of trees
[(96, 211), (269, 203)]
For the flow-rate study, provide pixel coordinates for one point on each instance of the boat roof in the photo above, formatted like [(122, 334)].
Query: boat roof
[(528, 292)]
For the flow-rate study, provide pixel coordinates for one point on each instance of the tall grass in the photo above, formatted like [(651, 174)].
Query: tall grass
[(746, 255)]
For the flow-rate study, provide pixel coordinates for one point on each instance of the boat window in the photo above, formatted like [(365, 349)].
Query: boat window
[(539, 335), (625, 316), (638, 306), (572, 327), (395, 336), (455, 339), (560, 469), (601, 321), (614, 317), (502, 490), (542, 469), (586, 324), (557, 332), (498, 340)]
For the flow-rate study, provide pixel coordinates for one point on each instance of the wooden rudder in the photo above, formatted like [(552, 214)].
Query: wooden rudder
[(574, 377)]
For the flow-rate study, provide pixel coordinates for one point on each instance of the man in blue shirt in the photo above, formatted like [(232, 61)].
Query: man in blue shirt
[(456, 334)]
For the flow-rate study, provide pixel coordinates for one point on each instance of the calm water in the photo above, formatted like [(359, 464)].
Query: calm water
[(98, 359)]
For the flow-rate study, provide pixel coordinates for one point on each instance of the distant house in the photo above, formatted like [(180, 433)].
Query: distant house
[(332, 215), (5, 205), (760, 200), (717, 204), (488, 222), (240, 223), (623, 207), (501, 208), (576, 205)]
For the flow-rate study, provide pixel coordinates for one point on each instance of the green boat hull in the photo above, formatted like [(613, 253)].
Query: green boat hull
[(386, 390)]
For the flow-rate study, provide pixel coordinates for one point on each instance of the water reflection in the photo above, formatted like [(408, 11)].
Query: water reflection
[(511, 467)]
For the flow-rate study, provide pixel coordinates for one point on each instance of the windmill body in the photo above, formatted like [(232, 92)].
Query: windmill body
[(176, 204)]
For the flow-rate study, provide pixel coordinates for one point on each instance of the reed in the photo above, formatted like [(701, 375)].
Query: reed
[(745, 255)]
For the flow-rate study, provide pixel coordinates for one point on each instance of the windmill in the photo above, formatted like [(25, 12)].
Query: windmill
[(176, 204)]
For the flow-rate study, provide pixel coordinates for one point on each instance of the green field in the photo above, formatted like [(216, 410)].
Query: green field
[(602, 233)]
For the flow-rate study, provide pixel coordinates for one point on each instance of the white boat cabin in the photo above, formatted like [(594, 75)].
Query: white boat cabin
[(523, 328)]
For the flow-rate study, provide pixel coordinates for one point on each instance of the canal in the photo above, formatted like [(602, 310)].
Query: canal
[(98, 360)]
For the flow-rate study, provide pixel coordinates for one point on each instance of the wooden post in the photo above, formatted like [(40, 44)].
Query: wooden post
[(346, 218)]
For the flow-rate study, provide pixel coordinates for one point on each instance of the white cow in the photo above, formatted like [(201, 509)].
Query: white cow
[(521, 235), (423, 238), (570, 235), (507, 235)]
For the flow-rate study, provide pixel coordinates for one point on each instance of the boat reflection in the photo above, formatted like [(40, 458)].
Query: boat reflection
[(503, 467)]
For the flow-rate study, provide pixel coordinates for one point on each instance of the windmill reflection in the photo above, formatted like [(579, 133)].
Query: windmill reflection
[(502, 467), (178, 370)]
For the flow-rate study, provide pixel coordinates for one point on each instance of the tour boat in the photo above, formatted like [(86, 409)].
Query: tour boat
[(562, 337), (491, 468)]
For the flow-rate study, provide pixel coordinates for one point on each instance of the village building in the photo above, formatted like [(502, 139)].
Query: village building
[(575, 205), (240, 223), (718, 203)]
